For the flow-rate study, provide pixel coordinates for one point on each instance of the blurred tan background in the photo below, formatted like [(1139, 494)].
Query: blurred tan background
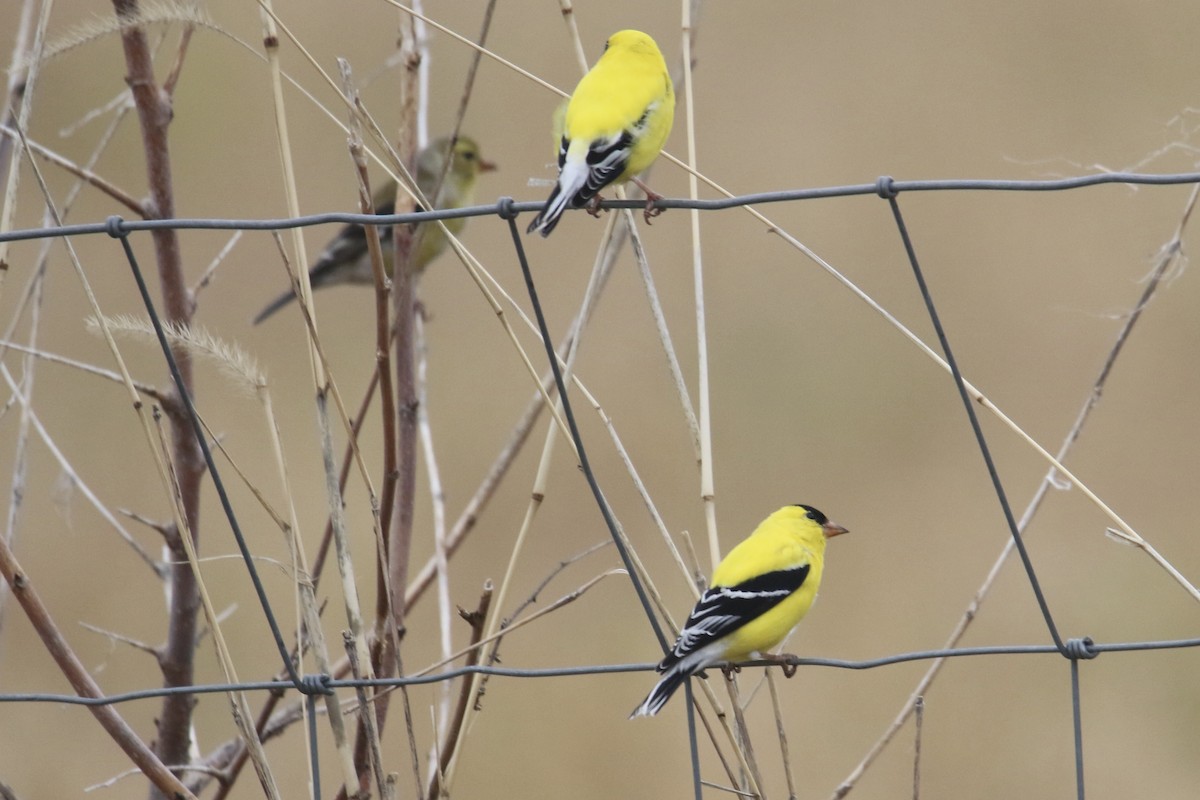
[(814, 398)]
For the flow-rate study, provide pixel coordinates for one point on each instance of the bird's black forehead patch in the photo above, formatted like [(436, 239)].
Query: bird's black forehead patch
[(813, 514)]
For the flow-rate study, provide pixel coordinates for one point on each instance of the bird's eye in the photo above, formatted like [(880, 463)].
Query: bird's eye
[(815, 515)]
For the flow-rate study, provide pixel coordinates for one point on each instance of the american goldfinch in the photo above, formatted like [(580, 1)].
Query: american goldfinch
[(346, 260), (759, 592), (615, 125)]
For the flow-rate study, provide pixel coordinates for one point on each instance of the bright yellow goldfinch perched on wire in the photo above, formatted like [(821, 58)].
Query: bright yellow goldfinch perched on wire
[(615, 125), (346, 260), (759, 592)]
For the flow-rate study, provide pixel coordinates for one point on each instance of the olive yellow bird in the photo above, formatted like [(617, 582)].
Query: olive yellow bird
[(759, 592), (615, 125), (345, 259)]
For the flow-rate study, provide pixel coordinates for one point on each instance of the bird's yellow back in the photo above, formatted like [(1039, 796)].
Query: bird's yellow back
[(629, 78)]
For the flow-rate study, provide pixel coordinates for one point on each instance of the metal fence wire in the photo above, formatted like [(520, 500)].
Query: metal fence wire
[(1073, 650)]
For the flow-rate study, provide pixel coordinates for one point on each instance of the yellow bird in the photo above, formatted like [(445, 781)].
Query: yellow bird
[(759, 592), (615, 125), (345, 259)]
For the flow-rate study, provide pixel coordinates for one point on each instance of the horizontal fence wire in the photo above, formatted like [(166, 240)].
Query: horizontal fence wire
[(507, 205), (586, 670), (1073, 649)]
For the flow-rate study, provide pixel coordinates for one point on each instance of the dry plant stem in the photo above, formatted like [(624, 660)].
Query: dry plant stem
[(344, 474), (399, 533), (919, 710), (707, 484), (367, 738), (707, 479), (435, 198), (305, 589), (752, 780), (84, 173), (366, 717), (472, 71), (322, 384), (119, 638), (24, 395), (383, 363), (81, 681), (568, 12), (211, 270), (634, 557), (18, 78), (398, 513), (240, 708), (27, 296), (349, 593), (177, 660), (437, 497), (664, 335), (712, 736), (1168, 255), (781, 732), (22, 80), (464, 40), (476, 620), (65, 465)]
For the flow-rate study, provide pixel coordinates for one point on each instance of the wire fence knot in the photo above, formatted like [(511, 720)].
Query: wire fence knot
[(506, 208), (1077, 649), (885, 187), (114, 226), (315, 684)]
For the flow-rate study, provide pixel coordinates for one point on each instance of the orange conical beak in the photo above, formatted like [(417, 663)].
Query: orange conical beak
[(832, 529)]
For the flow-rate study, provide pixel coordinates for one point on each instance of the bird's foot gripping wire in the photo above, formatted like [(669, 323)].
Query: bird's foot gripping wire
[(786, 662), (651, 211), (593, 205)]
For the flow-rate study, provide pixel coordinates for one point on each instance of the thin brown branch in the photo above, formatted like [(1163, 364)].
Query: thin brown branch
[(753, 779), (781, 732), (18, 80), (210, 271), (185, 38), (367, 736), (81, 681), (154, 115), (81, 172), (919, 711), (399, 531), (368, 729), (476, 620), (121, 638)]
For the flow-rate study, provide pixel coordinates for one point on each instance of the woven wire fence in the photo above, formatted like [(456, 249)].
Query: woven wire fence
[(1072, 649)]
